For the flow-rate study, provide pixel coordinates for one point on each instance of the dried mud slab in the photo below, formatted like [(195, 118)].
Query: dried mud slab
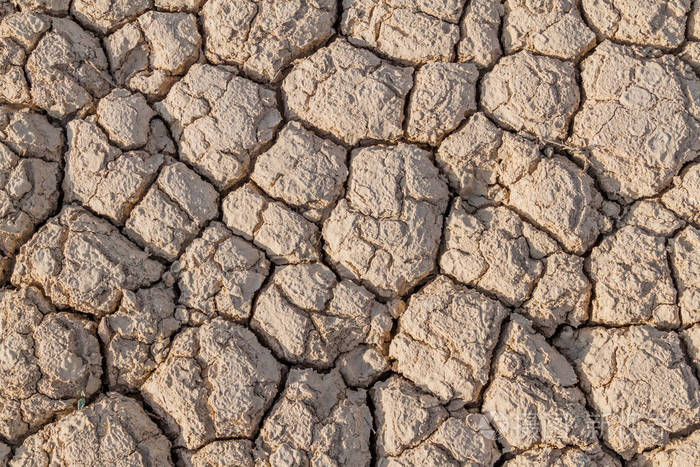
[(497, 252), (304, 170), (104, 17), (553, 28), (67, 70), (217, 382), (263, 36), (639, 121), (285, 235), (31, 134), (137, 336), (479, 30), (637, 381), (349, 93), (114, 430), (561, 296), (306, 316), (691, 340), (414, 429), (236, 452), (19, 34), (83, 262), (683, 197), (486, 165), (446, 339), (220, 121), (404, 30), (30, 153), (49, 357), (656, 23), (125, 117), (114, 156), (385, 233), (533, 398), (364, 365), (150, 54), (173, 211), (560, 198), (690, 53), (475, 159), (317, 420), (685, 261), (564, 457), (532, 93), (53, 7), (631, 273), (28, 195), (179, 5), (219, 274), (443, 95), (681, 451)]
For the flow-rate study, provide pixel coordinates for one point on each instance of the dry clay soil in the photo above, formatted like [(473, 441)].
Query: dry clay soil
[(350, 233)]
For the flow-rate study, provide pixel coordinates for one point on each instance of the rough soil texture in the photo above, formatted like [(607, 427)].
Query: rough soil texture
[(446, 339), (385, 232), (316, 420), (284, 234), (413, 428), (219, 121), (49, 357), (534, 398), (620, 368), (349, 93), (172, 212), (150, 54), (350, 233), (656, 23), (412, 32), (305, 171), (306, 316), (114, 430), (552, 28), (443, 94), (262, 36), (532, 93), (219, 273), (216, 382), (639, 121)]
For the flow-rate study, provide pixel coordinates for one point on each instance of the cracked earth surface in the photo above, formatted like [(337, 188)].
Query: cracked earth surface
[(350, 232)]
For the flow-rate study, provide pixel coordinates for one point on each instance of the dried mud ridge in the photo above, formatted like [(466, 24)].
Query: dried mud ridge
[(349, 233)]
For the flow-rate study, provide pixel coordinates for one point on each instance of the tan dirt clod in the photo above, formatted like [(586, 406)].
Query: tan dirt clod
[(113, 430)]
